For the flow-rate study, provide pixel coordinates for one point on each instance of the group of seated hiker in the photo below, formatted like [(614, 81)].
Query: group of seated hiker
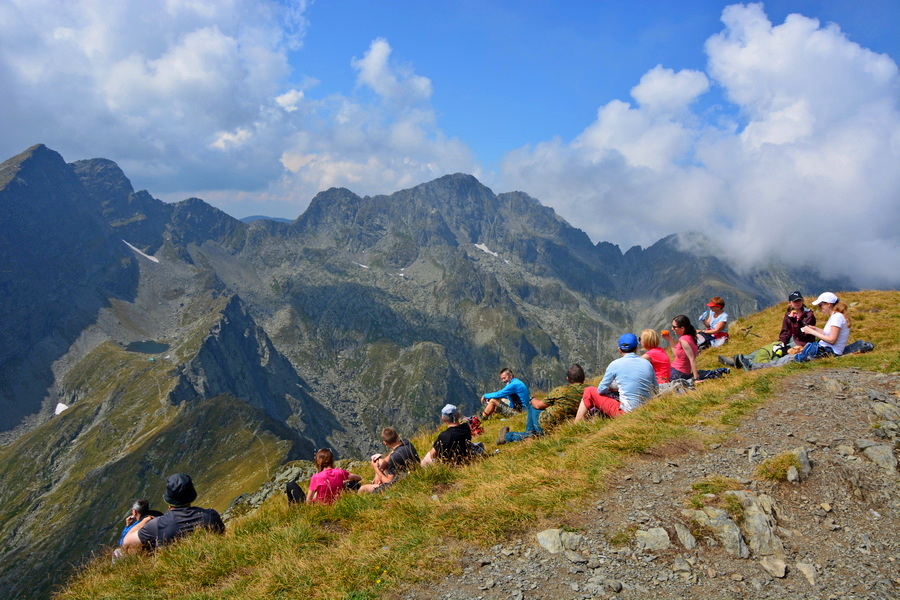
[(800, 340), (628, 382)]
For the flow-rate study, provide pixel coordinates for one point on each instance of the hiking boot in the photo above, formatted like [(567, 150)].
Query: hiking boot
[(728, 362), (742, 362), (501, 439)]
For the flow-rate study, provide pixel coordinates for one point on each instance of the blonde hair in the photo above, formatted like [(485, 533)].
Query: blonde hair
[(842, 308), (650, 339)]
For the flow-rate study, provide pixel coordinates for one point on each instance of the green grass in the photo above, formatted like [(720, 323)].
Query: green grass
[(364, 547)]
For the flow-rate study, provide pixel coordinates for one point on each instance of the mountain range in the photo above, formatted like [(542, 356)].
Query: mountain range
[(144, 338)]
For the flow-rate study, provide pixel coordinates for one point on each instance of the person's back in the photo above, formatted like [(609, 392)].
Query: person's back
[(177, 522), (181, 519), (402, 459), (452, 444), (636, 380)]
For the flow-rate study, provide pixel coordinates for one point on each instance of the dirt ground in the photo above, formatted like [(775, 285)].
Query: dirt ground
[(840, 527)]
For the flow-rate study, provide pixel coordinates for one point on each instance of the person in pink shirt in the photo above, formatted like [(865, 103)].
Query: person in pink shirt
[(329, 482), (662, 366)]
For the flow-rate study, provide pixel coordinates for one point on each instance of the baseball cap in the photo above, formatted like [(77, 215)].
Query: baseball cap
[(449, 410), (826, 297), (628, 342), (795, 296)]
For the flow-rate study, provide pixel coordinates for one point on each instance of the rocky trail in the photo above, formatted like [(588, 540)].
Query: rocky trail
[(831, 531)]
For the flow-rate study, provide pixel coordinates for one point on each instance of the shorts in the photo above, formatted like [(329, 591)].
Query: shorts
[(506, 410)]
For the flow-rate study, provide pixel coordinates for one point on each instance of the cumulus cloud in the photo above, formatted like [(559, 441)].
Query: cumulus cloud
[(378, 145), (804, 171), (174, 91), (198, 98)]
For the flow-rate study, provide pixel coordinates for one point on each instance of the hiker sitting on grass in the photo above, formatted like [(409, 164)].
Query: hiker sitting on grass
[(715, 324), (326, 485), (454, 444), (181, 519), (509, 400), (791, 340), (560, 404), (832, 340), (401, 459), (685, 349), (139, 510), (635, 380)]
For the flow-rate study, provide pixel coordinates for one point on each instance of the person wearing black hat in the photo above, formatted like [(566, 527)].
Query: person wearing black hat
[(795, 319), (182, 518)]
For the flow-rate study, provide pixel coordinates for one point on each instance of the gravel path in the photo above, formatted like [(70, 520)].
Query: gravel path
[(839, 527)]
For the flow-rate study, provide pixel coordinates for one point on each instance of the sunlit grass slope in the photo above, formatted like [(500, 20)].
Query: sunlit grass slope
[(363, 547)]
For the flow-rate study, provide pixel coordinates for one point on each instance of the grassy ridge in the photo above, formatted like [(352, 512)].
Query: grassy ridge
[(364, 546)]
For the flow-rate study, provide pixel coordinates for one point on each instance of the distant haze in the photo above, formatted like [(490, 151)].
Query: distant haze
[(775, 134)]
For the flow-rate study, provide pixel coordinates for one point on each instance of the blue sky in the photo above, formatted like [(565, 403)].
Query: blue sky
[(762, 125)]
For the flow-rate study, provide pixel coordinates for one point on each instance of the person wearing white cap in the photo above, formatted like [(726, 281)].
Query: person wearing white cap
[(832, 339), (836, 332), (453, 445)]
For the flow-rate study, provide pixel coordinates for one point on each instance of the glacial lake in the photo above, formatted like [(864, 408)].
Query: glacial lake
[(147, 347)]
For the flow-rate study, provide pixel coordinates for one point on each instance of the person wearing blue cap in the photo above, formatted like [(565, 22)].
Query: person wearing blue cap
[(634, 379)]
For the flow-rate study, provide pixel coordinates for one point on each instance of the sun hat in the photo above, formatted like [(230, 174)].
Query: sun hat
[(179, 490)]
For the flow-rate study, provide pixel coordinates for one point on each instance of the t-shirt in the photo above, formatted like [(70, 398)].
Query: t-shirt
[(662, 366), (402, 459), (713, 321), (840, 321), (452, 444), (681, 362), (562, 403), (635, 378), (328, 483), (178, 522)]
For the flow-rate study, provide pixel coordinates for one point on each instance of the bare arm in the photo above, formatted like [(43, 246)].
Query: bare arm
[(132, 541), (719, 327), (689, 353), (429, 458), (539, 404), (829, 336)]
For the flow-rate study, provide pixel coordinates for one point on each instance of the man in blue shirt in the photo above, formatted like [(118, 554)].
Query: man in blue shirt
[(628, 382), (510, 400)]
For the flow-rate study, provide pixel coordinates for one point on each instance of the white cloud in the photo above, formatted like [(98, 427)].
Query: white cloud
[(163, 88), (289, 100), (197, 98), (807, 173)]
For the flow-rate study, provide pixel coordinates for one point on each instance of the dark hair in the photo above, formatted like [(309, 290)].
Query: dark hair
[(575, 374), (507, 370), (324, 459), (389, 435), (684, 321)]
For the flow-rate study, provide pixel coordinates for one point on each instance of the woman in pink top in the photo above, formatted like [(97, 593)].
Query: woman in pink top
[(325, 485), (685, 364), (650, 341)]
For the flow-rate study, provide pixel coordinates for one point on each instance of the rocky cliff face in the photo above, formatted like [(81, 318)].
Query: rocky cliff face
[(60, 266)]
